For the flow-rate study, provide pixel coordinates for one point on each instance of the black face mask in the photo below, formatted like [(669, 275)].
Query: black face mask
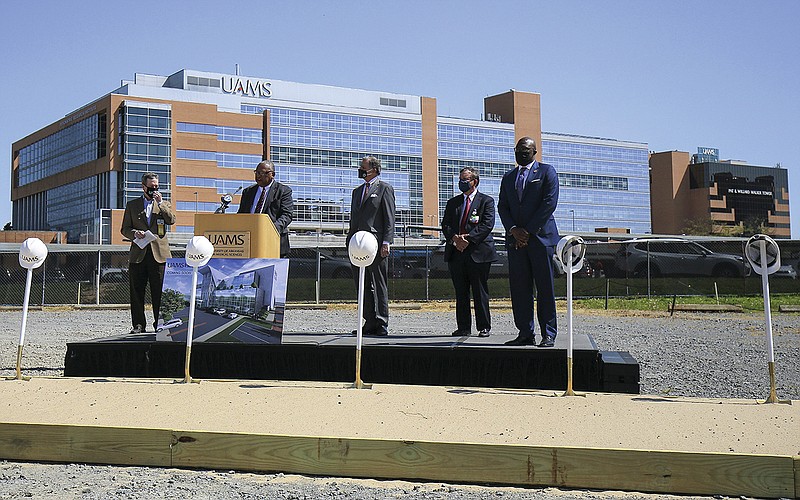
[(524, 158), (362, 174), (151, 191)]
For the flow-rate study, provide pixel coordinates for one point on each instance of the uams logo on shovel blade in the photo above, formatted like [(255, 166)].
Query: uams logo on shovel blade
[(196, 256), (31, 258)]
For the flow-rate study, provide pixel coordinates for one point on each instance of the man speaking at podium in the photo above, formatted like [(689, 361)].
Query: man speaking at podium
[(144, 223), (268, 196)]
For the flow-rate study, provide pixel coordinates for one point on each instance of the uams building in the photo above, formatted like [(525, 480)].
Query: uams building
[(204, 133)]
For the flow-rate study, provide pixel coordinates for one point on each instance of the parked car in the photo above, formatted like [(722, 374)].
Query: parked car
[(786, 271), (231, 315), (677, 257), (173, 323), (303, 264), (218, 310), (408, 263), (114, 275)]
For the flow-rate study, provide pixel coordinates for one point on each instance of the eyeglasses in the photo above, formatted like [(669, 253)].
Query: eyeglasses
[(259, 172)]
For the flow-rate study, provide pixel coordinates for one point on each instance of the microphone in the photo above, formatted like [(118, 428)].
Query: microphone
[(226, 200)]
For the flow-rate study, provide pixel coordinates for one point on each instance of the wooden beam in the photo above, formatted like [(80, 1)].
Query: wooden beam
[(567, 467), (797, 476), (634, 470), (86, 444)]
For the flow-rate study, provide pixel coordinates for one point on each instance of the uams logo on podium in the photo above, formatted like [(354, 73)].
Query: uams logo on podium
[(230, 243)]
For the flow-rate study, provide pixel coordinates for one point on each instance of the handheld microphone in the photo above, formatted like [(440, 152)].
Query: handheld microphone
[(226, 200)]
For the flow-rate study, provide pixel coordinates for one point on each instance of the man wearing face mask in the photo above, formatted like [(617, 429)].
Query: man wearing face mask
[(148, 212), (469, 251), (372, 209), (528, 198)]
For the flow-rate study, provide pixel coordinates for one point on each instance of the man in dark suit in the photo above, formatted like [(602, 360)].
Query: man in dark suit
[(528, 198), (148, 212), (469, 251), (372, 209), (268, 196)]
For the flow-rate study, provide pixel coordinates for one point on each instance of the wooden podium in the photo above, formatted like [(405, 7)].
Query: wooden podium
[(239, 235)]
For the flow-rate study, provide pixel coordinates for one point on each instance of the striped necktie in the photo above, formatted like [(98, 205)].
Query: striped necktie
[(260, 204)]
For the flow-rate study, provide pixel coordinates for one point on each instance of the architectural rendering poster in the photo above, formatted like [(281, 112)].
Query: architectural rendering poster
[(237, 300)]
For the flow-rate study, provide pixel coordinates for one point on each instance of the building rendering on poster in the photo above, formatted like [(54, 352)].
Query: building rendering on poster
[(237, 300)]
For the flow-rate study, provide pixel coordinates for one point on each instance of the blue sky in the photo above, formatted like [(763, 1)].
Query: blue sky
[(676, 75)]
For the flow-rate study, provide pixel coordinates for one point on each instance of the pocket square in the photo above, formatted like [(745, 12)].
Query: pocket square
[(373, 195), (536, 180)]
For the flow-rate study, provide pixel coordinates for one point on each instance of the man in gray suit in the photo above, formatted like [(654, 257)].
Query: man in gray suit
[(372, 209)]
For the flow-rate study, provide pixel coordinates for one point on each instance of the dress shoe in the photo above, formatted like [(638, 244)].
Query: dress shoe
[(521, 341), (380, 332), (364, 332), (461, 333), (484, 333), (547, 341), (137, 329)]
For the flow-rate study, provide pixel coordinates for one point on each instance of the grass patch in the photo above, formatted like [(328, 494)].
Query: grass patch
[(748, 303)]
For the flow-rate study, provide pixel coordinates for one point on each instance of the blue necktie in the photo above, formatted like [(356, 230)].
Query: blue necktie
[(520, 185)]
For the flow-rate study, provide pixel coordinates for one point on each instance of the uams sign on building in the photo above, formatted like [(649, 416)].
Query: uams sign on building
[(248, 87)]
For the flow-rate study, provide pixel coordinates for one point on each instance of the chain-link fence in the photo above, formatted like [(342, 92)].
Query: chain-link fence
[(83, 274)]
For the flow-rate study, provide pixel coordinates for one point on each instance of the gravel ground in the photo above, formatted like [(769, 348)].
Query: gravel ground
[(703, 355)]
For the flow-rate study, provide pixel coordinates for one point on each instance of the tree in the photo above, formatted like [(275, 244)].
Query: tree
[(700, 226), (755, 225), (172, 301)]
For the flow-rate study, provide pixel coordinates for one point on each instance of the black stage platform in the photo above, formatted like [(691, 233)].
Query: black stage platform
[(419, 360)]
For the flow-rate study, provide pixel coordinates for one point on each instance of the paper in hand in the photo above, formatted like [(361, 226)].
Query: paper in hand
[(143, 242)]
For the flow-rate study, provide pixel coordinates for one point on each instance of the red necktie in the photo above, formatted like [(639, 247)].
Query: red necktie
[(462, 228), (260, 204)]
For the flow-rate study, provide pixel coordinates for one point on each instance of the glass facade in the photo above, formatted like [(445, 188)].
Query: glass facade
[(145, 143), (223, 133), (317, 154), (226, 160), (602, 183), (73, 208), (70, 147), (489, 150)]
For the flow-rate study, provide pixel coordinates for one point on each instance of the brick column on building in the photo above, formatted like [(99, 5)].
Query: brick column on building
[(430, 164), (523, 109)]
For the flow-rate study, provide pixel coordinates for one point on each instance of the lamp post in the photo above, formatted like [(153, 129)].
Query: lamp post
[(195, 202), (573, 220)]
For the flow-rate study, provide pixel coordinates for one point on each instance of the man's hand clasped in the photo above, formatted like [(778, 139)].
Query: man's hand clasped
[(461, 242), (521, 235)]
